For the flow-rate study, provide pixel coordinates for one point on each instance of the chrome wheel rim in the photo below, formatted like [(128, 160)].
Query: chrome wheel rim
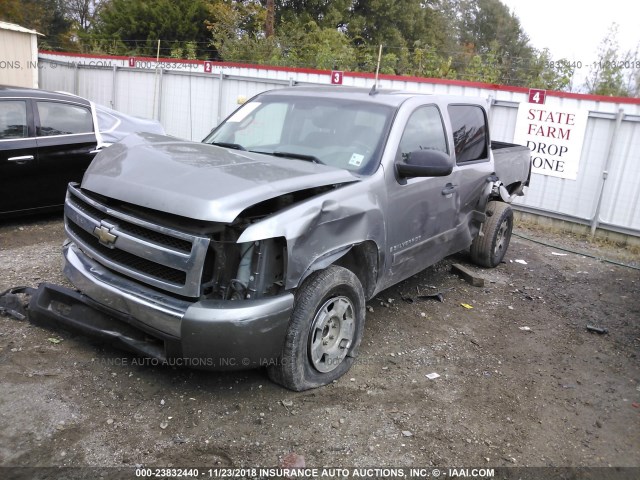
[(501, 238), (331, 333)]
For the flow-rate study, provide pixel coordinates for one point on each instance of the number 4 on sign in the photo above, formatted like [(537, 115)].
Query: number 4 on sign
[(537, 96)]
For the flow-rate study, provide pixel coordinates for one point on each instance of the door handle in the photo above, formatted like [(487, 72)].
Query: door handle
[(449, 188), (22, 159)]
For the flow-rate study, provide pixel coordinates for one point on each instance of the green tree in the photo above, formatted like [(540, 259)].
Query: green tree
[(397, 24), (486, 27), (312, 45), (325, 14), (550, 74), (478, 40), (139, 24), (238, 26), (251, 49), (45, 16), (184, 50), (83, 13), (614, 73), (632, 78), (427, 62), (483, 68)]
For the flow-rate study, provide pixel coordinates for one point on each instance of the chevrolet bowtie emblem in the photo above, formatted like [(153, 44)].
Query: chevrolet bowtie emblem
[(103, 232)]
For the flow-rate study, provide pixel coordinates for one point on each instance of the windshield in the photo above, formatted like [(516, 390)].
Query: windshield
[(342, 133)]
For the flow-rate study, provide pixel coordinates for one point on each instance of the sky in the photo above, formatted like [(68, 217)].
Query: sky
[(573, 29)]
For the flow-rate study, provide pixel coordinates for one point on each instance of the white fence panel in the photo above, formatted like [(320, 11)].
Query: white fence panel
[(189, 105), (502, 122), (57, 77), (621, 201), (96, 85), (137, 92)]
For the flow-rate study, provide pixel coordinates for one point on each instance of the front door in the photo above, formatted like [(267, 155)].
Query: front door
[(472, 150), (423, 211)]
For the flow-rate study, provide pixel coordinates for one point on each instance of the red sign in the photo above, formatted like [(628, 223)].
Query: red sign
[(537, 96), (208, 67), (336, 77), (132, 62)]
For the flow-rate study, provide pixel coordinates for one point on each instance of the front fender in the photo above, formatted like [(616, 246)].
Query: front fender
[(324, 261), (322, 229)]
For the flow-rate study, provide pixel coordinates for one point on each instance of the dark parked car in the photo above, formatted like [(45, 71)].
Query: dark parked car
[(48, 139)]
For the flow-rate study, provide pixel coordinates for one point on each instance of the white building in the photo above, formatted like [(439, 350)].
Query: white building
[(18, 56)]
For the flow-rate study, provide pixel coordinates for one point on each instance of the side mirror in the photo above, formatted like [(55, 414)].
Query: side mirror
[(425, 163)]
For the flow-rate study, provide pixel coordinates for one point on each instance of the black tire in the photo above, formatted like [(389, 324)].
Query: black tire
[(331, 299), (488, 249)]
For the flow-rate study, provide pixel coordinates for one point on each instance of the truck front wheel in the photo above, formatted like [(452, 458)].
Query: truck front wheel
[(324, 331), (489, 248)]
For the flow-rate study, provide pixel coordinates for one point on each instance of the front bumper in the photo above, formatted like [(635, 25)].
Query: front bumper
[(209, 334)]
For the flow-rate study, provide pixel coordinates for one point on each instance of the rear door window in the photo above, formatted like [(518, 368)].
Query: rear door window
[(63, 119), (469, 127)]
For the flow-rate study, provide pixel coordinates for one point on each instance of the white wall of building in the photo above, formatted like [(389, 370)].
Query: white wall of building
[(18, 56)]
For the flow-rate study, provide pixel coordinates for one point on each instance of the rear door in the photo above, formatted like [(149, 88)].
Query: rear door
[(66, 145), (473, 167), (19, 189)]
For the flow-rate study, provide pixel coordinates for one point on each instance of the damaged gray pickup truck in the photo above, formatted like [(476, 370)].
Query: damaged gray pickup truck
[(260, 246)]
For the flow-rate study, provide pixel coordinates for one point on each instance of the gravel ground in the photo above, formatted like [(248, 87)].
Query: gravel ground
[(521, 381)]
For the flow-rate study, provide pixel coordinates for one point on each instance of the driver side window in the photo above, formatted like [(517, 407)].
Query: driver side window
[(424, 131)]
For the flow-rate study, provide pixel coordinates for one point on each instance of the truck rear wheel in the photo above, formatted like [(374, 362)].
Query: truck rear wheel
[(324, 331), (488, 249)]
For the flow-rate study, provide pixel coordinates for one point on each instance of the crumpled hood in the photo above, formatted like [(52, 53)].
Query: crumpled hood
[(197, 180)]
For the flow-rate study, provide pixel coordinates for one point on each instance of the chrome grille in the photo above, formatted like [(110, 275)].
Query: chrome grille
[(154, 254)]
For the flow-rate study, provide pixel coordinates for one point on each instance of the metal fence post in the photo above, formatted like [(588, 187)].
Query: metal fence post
[(75, 78), (605, 173), (113, 87), (220, 80), (159, 114)]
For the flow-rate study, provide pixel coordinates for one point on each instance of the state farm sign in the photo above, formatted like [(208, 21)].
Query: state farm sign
[(554, 135)]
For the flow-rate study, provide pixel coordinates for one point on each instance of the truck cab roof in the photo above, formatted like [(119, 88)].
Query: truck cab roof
[(391, 97)]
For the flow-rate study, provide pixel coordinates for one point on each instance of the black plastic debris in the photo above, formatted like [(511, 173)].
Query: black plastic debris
[(437, 296), (405, 298), (598, 330), (12, 305)]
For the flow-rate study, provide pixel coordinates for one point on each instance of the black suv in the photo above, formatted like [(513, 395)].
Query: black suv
[(47, 140)]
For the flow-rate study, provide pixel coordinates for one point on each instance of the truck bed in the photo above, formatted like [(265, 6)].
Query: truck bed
[(512, 162)]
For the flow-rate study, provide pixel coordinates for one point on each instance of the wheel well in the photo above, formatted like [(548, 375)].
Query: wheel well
[(512, 188), (362, 260)]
